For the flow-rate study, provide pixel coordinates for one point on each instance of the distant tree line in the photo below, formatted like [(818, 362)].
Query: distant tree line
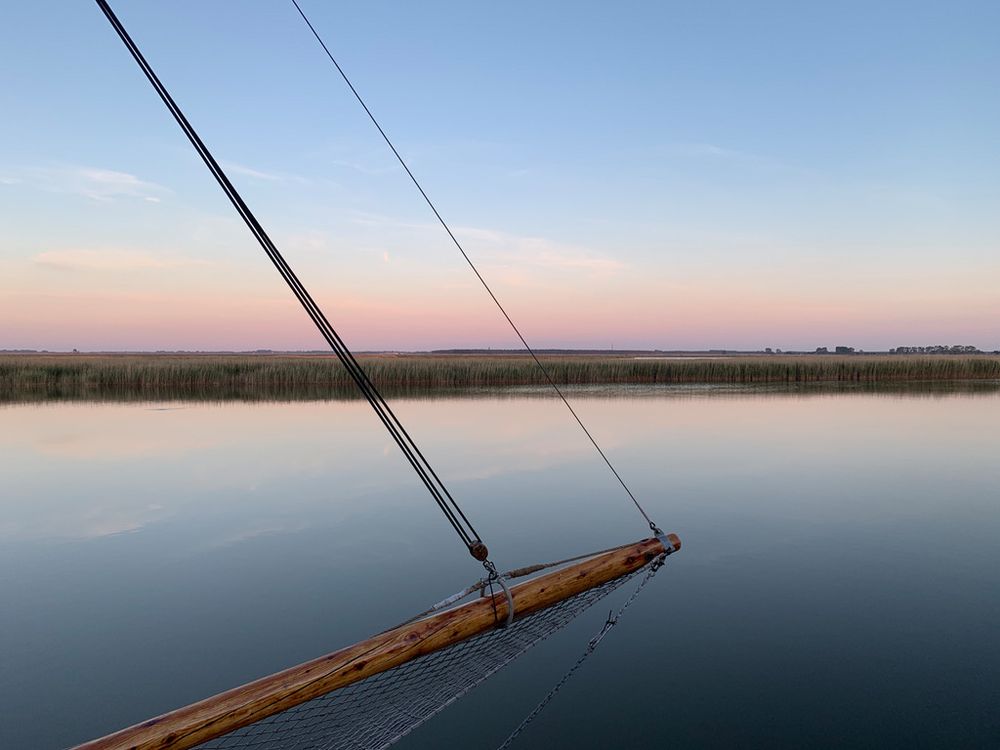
[(957, 349)]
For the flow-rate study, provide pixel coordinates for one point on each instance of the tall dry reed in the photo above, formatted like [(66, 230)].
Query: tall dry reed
[(223, 376)]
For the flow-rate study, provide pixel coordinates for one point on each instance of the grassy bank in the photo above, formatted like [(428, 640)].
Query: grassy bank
[(154, 376)]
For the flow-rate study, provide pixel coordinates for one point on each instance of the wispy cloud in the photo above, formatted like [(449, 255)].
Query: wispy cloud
[(90, 182), (111, 260), (369, 219), (705, 149), (499, 248), (366, 169), (257, 174), (722, 154), (312, 240), (502, 248), (695, 149)]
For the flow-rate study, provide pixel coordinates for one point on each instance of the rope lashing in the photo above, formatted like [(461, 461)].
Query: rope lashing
[(468, 260), (505, 587), (390, 421)]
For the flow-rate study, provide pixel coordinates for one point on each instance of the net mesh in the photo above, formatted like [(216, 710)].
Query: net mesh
[(378, 711)]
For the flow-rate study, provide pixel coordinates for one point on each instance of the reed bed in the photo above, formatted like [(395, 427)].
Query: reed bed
[(153, 376)]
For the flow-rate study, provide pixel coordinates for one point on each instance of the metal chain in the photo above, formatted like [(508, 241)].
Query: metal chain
[(591, 647)]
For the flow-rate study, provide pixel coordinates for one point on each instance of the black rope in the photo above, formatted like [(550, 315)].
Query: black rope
[(472, 265), (406, 444)]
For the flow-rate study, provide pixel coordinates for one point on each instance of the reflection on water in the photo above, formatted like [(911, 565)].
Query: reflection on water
[(839, 583)]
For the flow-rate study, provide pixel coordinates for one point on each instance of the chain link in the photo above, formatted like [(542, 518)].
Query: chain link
[(591, 647)]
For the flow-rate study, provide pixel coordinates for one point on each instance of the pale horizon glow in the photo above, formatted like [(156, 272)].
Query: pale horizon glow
[(774, 193)]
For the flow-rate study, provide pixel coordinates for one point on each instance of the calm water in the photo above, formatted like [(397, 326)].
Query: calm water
[(839, 583)]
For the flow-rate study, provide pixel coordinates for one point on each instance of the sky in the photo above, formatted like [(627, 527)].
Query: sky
[(631, 175)]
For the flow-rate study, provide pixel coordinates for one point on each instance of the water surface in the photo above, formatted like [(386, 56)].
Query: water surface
[(839, 584)]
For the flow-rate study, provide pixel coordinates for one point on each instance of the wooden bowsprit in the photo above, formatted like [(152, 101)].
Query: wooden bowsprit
[(279, 694)]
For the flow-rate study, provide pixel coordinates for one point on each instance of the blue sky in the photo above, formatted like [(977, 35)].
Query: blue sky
[(644, 174)]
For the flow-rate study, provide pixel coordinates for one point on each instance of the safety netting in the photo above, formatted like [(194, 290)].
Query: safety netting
[(381, 709)]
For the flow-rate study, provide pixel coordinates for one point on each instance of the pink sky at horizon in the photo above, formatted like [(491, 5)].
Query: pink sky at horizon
[(104, 303)]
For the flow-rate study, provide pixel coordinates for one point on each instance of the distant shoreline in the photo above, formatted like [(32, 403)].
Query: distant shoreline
[(131, 376), (609, 353)]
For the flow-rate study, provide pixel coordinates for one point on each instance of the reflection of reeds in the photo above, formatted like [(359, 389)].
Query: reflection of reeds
[(224, 376)]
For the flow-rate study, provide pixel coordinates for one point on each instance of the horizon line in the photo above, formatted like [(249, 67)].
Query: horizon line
[(820, 351)]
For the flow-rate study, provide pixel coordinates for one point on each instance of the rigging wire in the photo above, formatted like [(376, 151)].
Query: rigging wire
[(406, 444), (475, 270)]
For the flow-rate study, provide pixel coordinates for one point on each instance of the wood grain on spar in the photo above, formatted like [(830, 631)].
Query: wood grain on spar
[(223, 713)]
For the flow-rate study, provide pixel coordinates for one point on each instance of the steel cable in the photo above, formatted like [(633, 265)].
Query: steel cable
[(402, 438), (475, 270)]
